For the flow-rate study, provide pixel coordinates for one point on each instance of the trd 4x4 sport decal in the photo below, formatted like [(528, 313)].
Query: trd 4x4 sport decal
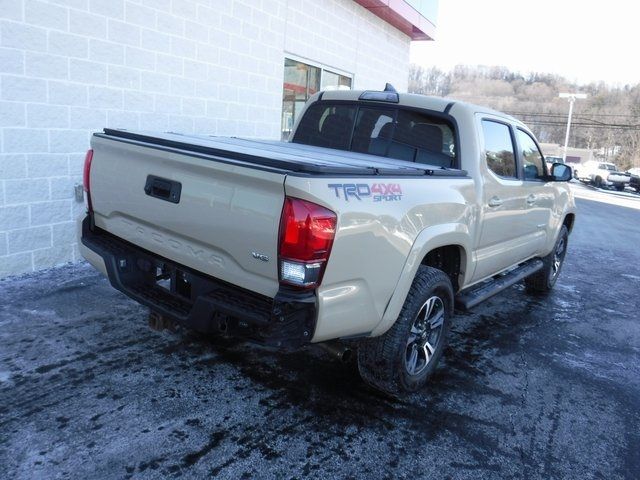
[(380, 192)]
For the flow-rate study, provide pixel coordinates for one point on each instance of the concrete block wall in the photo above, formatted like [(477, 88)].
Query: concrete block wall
[(71, 67), (343, 35)]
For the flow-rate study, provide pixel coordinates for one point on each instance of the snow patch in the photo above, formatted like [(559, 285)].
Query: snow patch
[(632, 277)]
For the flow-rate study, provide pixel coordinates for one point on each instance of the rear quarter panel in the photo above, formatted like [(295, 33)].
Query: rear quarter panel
[(375, 236)]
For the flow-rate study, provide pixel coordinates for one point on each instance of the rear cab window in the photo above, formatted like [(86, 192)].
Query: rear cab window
[(393, 132)]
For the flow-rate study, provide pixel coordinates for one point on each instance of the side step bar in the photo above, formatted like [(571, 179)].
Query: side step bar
[(471, 297)]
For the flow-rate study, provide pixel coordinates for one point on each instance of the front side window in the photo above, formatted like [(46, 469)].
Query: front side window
[(380, 130), (498, 147), (532, 159)]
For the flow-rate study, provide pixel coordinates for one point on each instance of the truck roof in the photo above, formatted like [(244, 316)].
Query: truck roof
[(415, 100)]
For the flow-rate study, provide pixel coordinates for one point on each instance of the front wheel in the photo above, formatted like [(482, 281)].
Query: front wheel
[(620, 188), (544, 279), (403, 359)]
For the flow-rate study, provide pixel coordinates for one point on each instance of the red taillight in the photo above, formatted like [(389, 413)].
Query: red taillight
[(306, 237), (86, 181)]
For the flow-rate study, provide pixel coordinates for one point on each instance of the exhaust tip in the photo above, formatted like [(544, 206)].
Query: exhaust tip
[(337, 350), (346, 356)]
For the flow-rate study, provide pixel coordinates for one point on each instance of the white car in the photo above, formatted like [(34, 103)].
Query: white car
[(634, 181), (551, 159), (603, 174)]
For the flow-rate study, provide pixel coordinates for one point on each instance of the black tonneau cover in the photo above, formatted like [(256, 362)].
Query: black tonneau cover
[(290, 157)]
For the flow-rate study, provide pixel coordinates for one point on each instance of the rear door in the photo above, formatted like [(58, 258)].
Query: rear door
[(505, 237), (218, 218)]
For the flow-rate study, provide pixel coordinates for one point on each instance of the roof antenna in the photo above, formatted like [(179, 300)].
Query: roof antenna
[(389, 88)]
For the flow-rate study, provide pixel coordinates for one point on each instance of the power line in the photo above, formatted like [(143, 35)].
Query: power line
[(585, 125), (577, 114), (550, 119)]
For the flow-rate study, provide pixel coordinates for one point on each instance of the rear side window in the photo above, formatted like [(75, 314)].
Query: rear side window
[(498, 148), (385, 131)]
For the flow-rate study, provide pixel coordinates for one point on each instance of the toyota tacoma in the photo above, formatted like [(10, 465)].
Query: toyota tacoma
[(382, 215)]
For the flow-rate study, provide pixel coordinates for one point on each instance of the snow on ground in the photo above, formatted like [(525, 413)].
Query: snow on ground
[(530, 387)]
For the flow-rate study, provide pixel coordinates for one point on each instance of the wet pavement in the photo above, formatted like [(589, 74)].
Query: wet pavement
[(530, 387)]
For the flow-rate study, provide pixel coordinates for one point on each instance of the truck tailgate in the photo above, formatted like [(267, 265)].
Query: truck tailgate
[(217, 217)]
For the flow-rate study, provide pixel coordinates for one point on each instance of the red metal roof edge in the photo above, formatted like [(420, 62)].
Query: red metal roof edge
[(402, 16)]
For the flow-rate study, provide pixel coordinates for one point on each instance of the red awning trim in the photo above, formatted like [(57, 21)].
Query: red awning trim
[(402, 16)]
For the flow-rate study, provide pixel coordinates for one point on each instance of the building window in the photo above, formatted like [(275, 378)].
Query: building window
[(302, 80)]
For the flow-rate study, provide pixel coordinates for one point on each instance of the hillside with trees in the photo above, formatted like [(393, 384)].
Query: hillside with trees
[(608, 121)]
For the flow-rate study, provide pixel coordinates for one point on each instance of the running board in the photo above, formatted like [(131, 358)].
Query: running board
[(468, 299)]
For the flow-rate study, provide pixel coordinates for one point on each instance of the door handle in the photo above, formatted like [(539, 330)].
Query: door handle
[(531, 199), (163, 188), (495, 202)]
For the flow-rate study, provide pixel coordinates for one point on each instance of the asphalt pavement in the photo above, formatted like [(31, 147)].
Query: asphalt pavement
[(530, 387)]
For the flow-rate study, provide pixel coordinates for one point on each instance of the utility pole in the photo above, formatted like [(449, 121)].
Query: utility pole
[(572, 98)]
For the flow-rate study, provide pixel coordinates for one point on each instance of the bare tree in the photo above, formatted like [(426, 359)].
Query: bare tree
[(609, 119)]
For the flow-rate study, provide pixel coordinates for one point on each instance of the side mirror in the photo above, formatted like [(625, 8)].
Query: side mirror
[(561, 172)]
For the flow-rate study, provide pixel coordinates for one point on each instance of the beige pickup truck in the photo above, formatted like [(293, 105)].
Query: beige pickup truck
[(382, 214)]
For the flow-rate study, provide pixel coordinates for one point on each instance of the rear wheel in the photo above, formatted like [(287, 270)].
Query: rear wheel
[(403, 359), (620, 188), (598, 182), (544, 279)]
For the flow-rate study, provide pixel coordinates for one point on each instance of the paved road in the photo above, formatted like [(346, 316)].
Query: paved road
[(531, 387)]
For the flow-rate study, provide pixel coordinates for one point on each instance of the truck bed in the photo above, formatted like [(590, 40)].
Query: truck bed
[(284, 157)]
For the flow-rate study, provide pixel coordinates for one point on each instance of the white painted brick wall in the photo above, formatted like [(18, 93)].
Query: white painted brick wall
[(69, 68)]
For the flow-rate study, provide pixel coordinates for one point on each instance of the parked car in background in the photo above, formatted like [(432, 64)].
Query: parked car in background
[(634, 180), (551, 159), (603, 174)]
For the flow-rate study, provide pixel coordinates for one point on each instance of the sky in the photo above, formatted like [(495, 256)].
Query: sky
[(583, 41)]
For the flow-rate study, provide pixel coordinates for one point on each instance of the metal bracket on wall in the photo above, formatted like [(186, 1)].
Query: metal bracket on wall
[(79, 192)]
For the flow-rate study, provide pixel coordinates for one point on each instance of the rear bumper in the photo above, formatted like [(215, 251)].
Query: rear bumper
[(616, 179), (196, 300)]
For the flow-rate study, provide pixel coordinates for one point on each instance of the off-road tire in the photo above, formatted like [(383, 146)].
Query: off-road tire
[(544, 279), (381, 360)]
